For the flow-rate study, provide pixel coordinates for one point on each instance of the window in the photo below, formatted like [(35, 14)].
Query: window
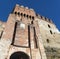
[(15, 13), (47, 40), (49, 26), (30, 17), (31, 22), (18, 13), (27, 16), (21, 14), (1, 34), (33, 17), (24, 15), (50, 31)]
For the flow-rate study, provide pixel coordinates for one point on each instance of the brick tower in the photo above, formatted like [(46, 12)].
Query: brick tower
[(27, 35)]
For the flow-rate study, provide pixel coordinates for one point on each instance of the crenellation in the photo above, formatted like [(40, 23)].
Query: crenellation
[(24, 11), (44, 18)]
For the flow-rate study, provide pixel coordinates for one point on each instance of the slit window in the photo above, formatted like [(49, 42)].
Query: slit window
[(50, 31), (49, 26), (1, 34), (47, 40), (24, 15), (30, 17)]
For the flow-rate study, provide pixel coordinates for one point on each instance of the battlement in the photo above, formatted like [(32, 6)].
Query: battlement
[(44, 18), (29, 13), (24, 11)]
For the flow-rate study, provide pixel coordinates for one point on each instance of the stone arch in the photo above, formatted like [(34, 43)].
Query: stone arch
[(19, 55)]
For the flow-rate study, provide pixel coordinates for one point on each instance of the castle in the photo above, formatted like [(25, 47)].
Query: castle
[(27, 35)]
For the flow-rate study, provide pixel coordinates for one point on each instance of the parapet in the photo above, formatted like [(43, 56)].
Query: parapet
[(44, 18), (24, 11), (20, 10)]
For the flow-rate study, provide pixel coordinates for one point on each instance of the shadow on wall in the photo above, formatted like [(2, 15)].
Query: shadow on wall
[(19, 55)]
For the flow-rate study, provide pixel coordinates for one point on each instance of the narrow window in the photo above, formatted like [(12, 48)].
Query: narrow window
[(15, 13), (13, 39), (24, 15), (47, 40), (50, 31), (33, 17), (49, 26), (1, 34)]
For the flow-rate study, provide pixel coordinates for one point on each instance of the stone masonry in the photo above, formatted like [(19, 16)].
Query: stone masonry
[(27, 35)]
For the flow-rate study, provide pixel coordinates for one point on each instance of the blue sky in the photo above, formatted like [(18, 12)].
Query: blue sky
[(47, 8)]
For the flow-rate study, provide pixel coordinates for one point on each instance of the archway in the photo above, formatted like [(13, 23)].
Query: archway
[(19, 55)]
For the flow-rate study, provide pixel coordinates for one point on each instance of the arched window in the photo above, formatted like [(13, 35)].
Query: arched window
[(27, 16), (24, 15), (30, 17)]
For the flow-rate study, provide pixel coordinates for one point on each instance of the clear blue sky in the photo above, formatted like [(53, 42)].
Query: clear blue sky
[(47, 8)]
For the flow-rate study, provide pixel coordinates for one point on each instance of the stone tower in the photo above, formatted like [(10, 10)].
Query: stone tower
[(27, 35)]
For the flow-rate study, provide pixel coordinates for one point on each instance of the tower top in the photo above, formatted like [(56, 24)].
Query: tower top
[(29, 12), (24, 10)]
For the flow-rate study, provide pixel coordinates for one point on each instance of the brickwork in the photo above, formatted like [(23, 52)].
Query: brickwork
[(29, 34)]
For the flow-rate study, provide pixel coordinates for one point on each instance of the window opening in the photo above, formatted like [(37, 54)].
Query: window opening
[(50, 31), (47, 40)]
